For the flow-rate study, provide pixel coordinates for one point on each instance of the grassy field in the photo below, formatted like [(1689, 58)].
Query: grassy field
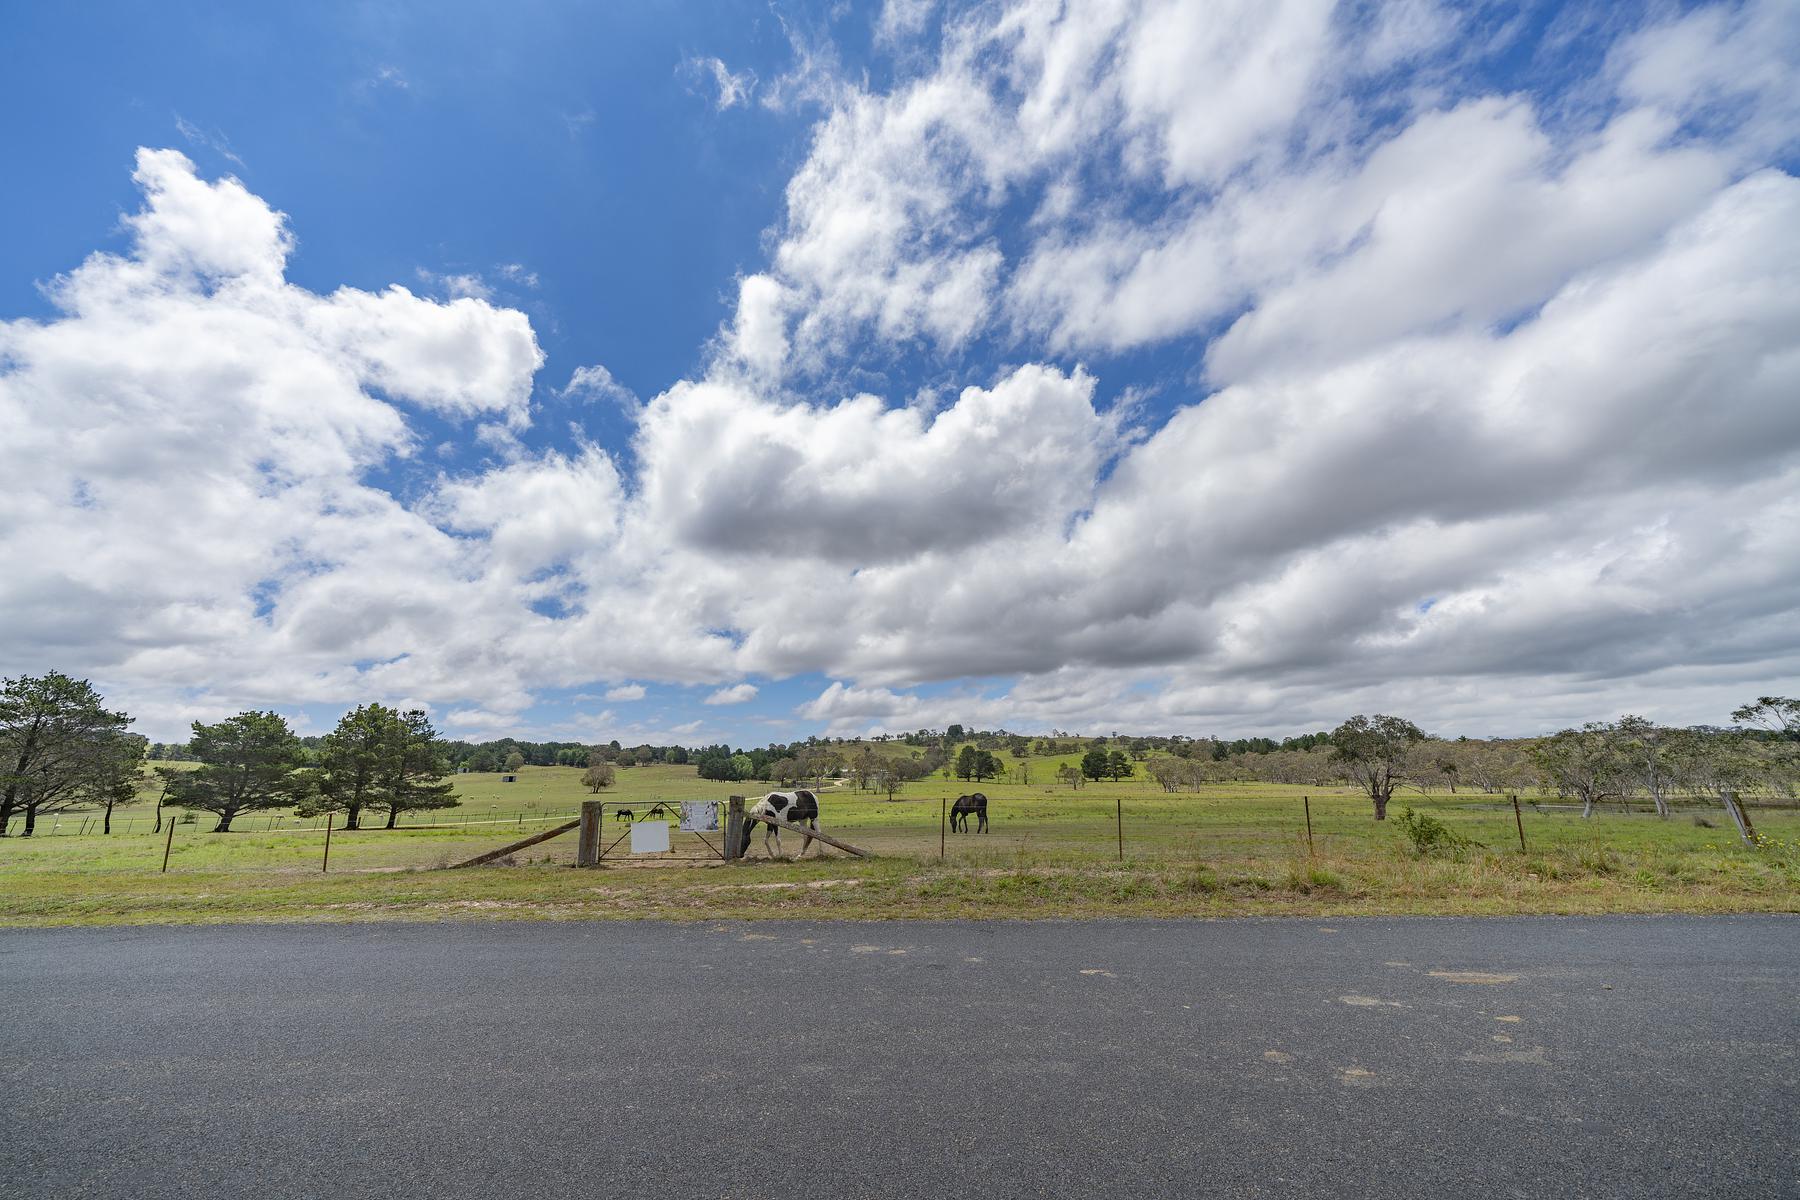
[(1051, 852)]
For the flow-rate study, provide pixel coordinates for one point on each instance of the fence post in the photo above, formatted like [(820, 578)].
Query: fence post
[(1740, 817), (326, 865), (943, 810), (1518, 819), (587, 842), (1307, 801), (734, 827), (167, 843), (1119, 816)]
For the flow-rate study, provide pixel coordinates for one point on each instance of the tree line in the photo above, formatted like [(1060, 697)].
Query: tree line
[(62, 748), (1630, 758)]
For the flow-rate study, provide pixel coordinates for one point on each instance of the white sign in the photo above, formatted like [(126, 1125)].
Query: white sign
[(700, 816), (650, 837)]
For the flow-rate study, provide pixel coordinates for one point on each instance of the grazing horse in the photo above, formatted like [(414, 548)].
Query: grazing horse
[(959, 813), (796, 808), (624, 814)]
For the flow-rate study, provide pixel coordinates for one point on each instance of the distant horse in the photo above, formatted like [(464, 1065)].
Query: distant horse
[(624, 814), (659, 809), (796, 808), (959, 813)]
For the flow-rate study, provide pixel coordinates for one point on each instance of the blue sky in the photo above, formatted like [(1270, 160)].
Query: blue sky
[(1170, 367)]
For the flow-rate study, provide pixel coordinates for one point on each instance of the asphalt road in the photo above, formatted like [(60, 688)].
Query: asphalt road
[(1418, 1058)]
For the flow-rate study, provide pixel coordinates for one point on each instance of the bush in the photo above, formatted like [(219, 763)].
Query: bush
[(1430, 835)]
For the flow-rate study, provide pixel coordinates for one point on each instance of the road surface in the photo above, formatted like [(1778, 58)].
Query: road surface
[(1386, 1058)]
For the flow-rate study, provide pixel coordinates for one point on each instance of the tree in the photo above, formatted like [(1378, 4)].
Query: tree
[(1070, 775), (58, 746), (120, 779), (1777, 714), (965, 762), (716, 762), (1376, 753), (1118, 765), (248, 763), (165, 782), (1653, 757), (1095, 764), (865, 769), (412, 776), (1586, 763), (514, 761), (599, 775), (350, 761)]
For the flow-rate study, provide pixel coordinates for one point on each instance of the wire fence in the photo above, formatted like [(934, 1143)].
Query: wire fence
[(1092, 825)]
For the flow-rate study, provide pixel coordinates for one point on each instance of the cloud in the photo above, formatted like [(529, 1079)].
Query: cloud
[(741, 693), (457, 285), (730, 89), (1470, 404), (388, 76), (597, 383), (187, 513), (629, 691), (728, 471), (212, 139)]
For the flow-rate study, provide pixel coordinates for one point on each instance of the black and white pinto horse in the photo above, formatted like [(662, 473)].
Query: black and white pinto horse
[(796, 808), (975, 803)]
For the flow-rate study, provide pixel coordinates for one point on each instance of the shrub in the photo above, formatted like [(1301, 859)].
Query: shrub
[(1430, 835)]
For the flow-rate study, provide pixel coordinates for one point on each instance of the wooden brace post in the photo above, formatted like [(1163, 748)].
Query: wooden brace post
[(503, 851)]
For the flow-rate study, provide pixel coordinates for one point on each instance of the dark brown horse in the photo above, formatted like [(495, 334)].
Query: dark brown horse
[(975, 803)]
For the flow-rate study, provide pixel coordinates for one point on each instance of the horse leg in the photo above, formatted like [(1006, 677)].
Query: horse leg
[(981, 826), (814, 822)]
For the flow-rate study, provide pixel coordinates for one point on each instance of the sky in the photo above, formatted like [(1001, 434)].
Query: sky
[(687, 372)]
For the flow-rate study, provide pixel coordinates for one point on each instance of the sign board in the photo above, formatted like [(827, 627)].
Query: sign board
[(700, 816), (650, 837)]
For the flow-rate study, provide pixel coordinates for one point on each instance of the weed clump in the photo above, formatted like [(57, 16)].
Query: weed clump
[(1312, 878), (1199, 882)]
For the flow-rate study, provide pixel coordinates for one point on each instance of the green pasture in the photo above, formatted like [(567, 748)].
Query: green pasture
[(1051, 851)]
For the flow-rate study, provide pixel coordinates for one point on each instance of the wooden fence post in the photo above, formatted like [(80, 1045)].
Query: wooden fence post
[(167, 843), (587, 842), (734, 827), (1307, 801), (1519, 820), (1119, 816), (1739, 816), (326, 865), (943, 810)]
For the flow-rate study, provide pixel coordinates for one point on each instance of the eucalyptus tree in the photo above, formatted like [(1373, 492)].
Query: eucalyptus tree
[(1587, 763), (1652, 756), (1378, 753), (1776, 714)]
